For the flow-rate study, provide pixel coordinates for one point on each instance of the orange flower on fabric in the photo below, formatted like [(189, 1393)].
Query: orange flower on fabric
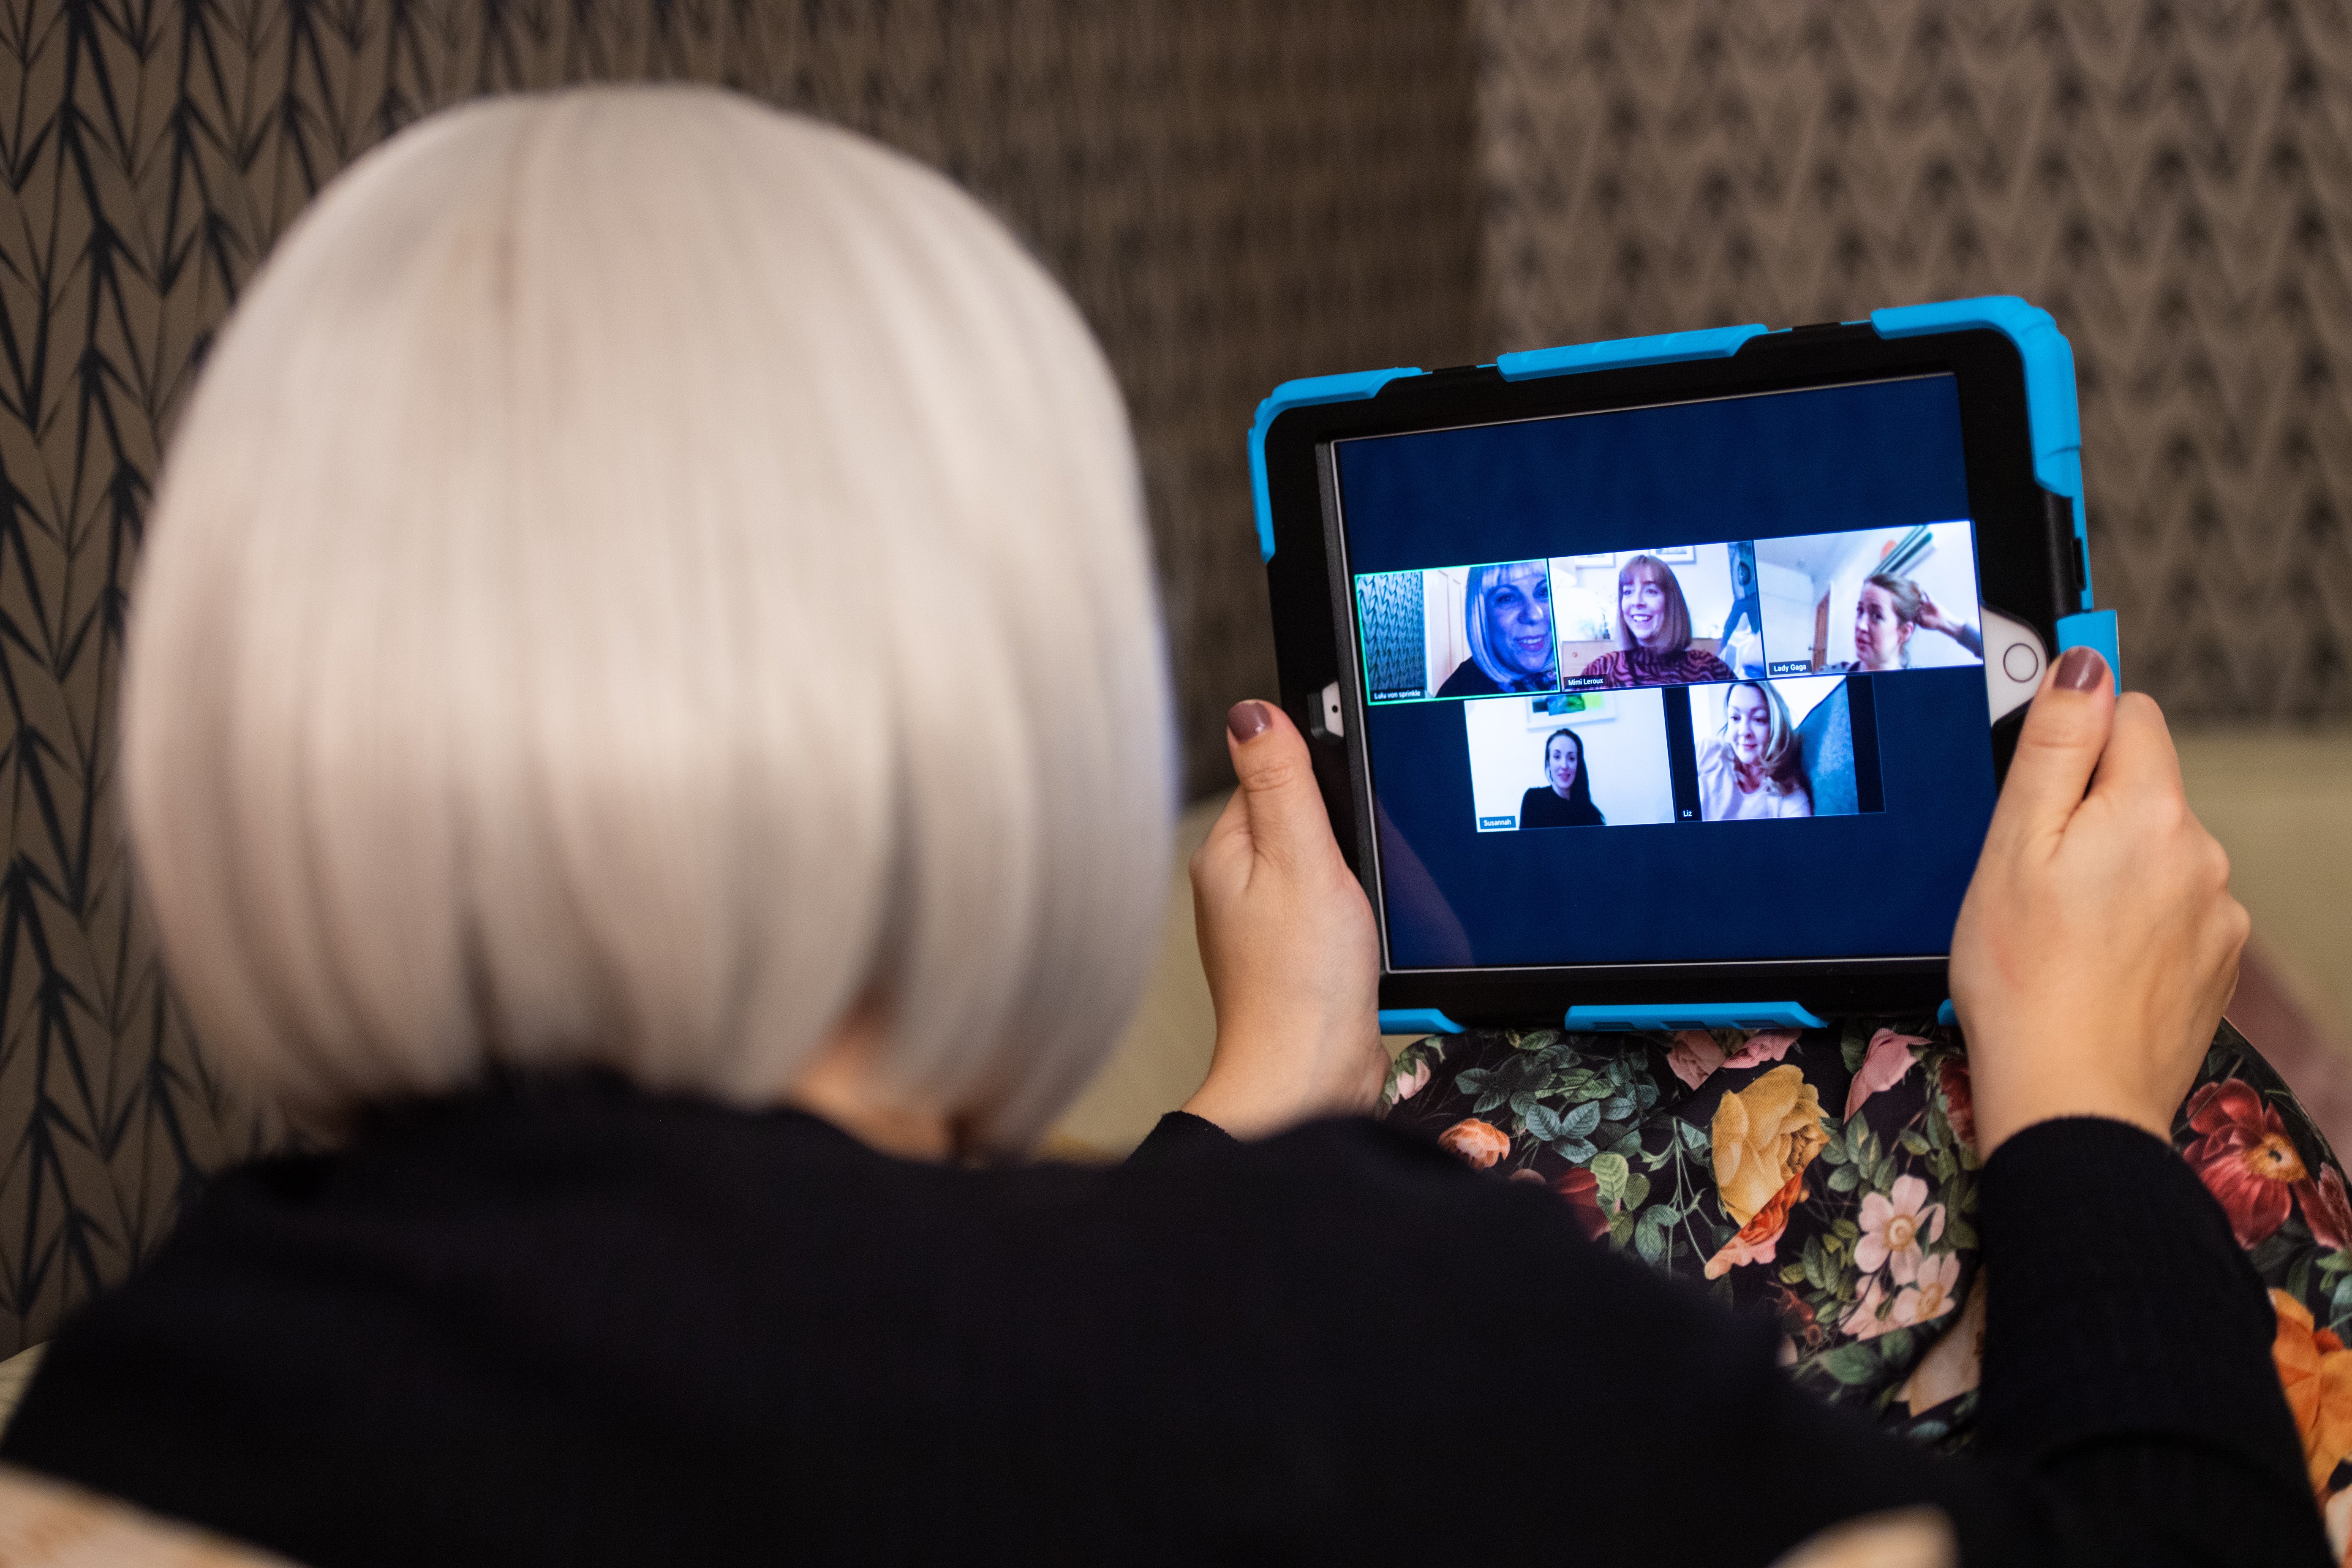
[(1581, 1189), (1477, 1143), (1764, 1135), (2315, 1369), (1759, 1237), (2245, 1157)]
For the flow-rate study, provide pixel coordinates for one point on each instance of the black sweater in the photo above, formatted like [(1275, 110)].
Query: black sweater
[(579, 1325)]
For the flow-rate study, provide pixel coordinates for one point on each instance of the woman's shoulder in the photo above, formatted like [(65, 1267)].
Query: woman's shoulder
[(1611, 667), (1704, 666), (1468, 680)]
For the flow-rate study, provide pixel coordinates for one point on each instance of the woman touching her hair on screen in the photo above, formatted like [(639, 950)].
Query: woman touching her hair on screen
[(1753, 768), (1565, 798), (534, 812), (1653, 633), (1888, 611)]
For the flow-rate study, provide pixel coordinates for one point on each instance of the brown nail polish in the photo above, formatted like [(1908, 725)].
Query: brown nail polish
[(1248, 720), (2082, 670)]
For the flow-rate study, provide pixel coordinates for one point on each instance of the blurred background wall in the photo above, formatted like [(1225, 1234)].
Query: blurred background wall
[(1236, 193), (2173, 182)]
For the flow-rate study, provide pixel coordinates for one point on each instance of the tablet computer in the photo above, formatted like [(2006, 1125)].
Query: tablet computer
[(1669, 681)]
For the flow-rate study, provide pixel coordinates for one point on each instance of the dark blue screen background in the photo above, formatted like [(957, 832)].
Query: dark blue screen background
[(1882, 455)]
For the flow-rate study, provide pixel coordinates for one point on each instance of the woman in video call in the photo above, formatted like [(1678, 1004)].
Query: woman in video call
[(534, 811), (1888, 611), (1507, 612), (1653, 633), (1752, 768), (1565, 798)]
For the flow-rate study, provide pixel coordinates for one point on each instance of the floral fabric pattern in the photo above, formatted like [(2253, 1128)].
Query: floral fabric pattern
[(1827, 1180)]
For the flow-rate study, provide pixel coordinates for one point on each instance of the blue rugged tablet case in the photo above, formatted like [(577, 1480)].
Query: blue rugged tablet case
[(2056, 432)]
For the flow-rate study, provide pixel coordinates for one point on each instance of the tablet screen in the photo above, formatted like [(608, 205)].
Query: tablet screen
[(1701, 682)]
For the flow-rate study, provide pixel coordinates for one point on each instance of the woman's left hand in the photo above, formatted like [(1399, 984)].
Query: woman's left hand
[(1288, 940)]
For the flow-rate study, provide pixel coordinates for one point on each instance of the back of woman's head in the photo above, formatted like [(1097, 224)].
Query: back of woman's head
[(642, 577)]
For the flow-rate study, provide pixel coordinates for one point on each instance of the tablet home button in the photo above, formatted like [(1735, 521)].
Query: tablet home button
[(2020, 663)]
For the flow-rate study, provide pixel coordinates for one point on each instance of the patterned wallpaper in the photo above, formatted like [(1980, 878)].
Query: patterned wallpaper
[(1235, 194), (2172, 181)]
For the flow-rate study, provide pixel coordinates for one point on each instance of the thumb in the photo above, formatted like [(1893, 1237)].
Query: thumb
[(1287, 819), (2065, 731)]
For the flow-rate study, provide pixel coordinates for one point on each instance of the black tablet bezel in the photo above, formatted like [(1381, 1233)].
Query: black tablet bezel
[(2030, 564)]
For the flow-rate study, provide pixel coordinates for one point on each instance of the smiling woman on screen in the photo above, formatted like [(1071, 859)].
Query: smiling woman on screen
[(1508, 615), (1565, 798), (1752, 768), (1653, 633)]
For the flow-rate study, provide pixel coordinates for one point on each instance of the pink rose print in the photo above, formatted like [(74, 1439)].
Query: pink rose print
[(1409, 1084), (1883, 1066), (1695, 1056), (1763, 1046)]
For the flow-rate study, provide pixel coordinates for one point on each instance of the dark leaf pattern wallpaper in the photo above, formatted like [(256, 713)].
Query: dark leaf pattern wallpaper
[(1236, 193)]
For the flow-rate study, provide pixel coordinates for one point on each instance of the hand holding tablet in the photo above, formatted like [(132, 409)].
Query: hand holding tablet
[(2098, 942), (1632, 672), (1288, 942)]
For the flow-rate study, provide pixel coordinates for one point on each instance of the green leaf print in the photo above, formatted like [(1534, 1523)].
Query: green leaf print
[(1650, 1236), (1850, 1364), (1608, 1170)]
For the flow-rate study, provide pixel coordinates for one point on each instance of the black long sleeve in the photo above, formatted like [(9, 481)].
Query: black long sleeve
[(585, 1326), (2130, 1404)]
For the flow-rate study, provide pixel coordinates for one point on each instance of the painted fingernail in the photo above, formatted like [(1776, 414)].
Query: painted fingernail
[(2082, 670), (1248, 720)]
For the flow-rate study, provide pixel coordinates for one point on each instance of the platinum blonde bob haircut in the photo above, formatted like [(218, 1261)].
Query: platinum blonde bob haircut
[(642, 577)]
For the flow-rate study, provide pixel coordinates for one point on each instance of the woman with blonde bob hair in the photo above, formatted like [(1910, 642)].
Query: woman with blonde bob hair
[(1753, 767), (646, 732)]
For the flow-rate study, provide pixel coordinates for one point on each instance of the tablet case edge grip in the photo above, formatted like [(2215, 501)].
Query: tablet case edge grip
[(2096, 629), (1299, 394), (1607, 1018), (2052, 419), (1416, 1020), (1623, 353)]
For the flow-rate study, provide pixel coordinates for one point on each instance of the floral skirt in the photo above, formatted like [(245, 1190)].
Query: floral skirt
[(1827, 1179)]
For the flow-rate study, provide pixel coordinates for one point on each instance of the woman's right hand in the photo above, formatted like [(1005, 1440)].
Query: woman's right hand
[(1288, 940), (2098, 942)]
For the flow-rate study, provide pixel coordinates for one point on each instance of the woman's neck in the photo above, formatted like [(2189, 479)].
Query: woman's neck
[(840, 1085)]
